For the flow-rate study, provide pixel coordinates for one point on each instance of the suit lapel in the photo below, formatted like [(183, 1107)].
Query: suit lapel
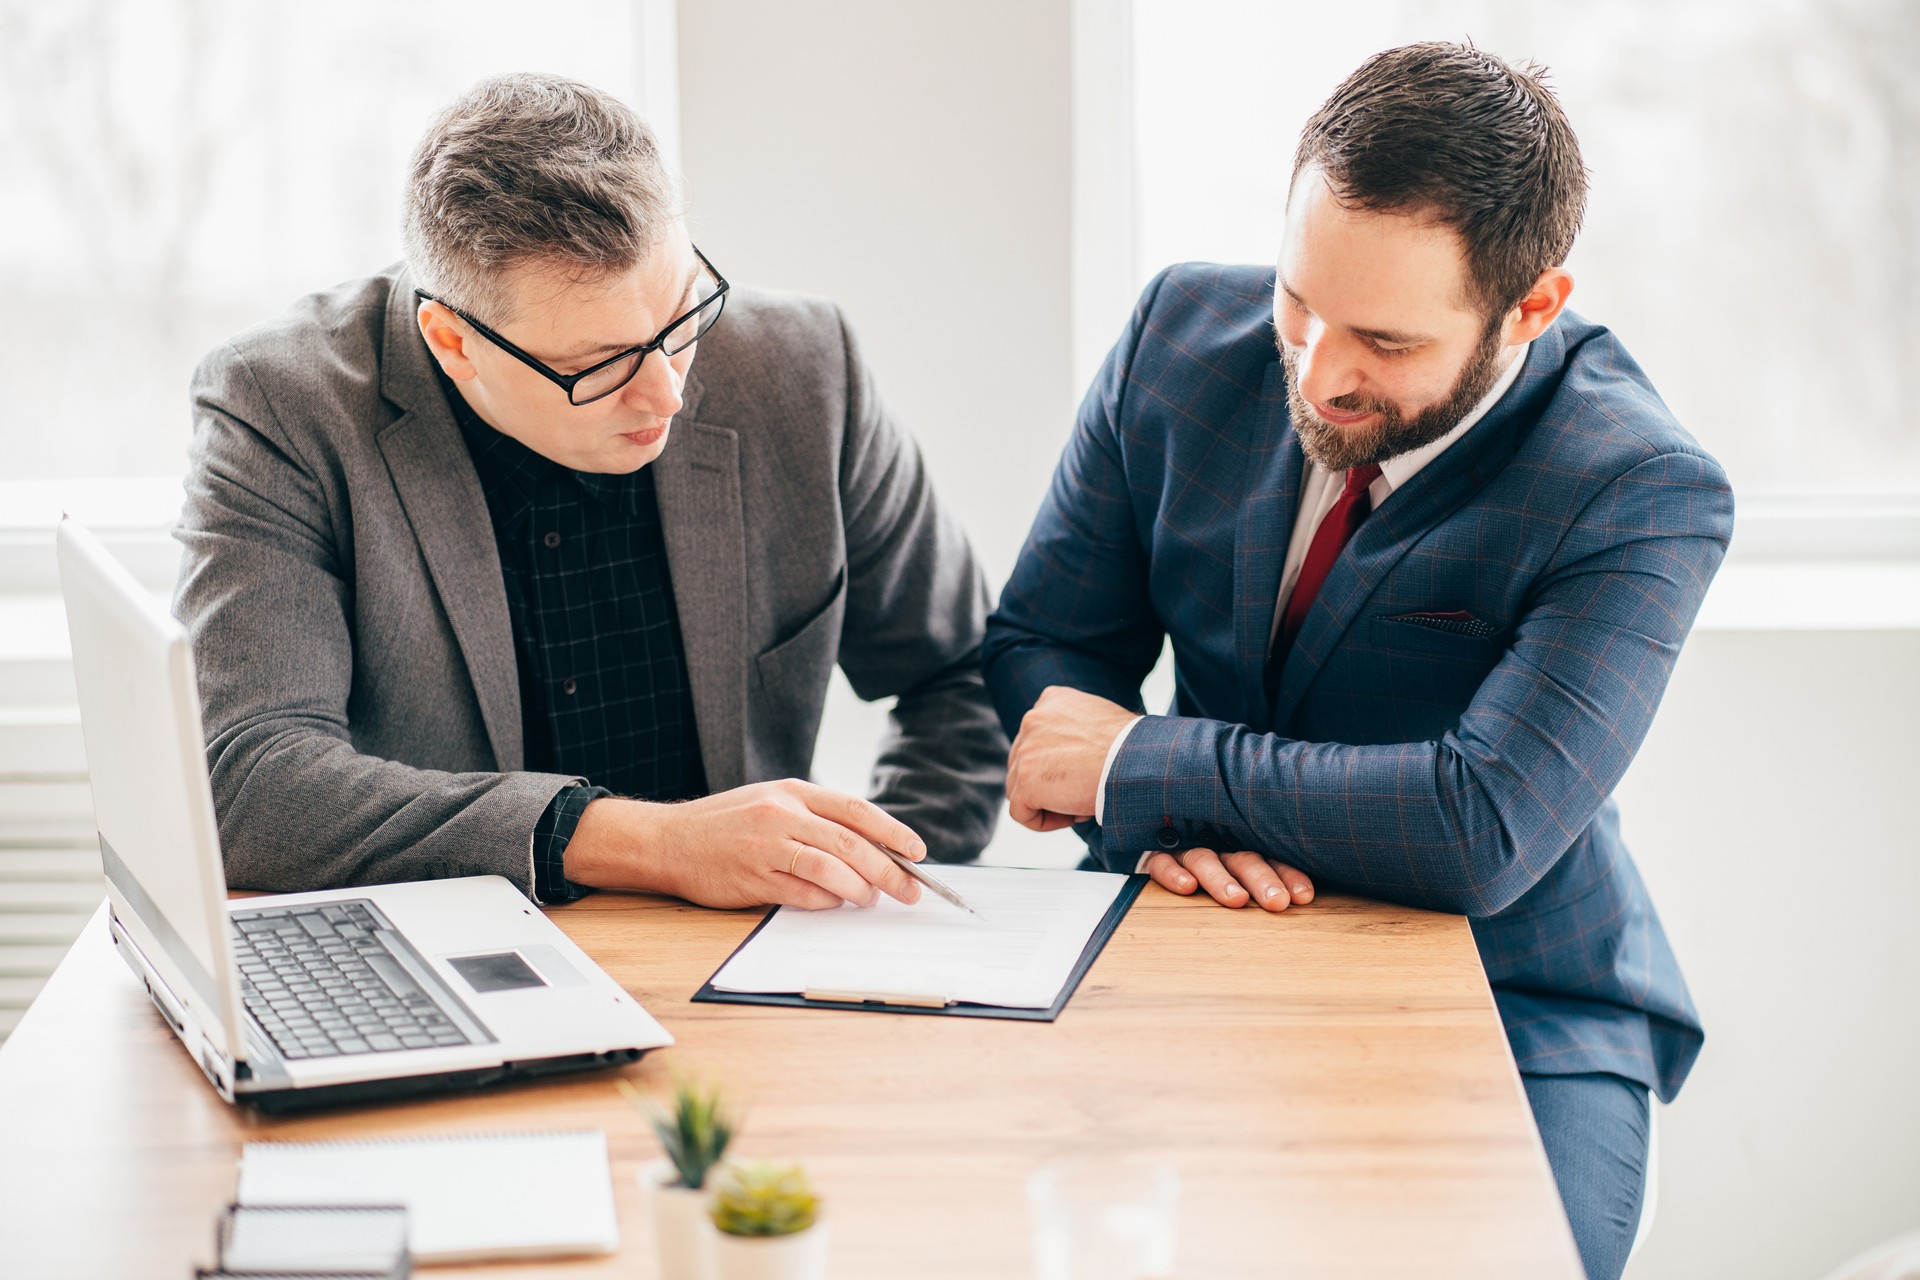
[(440, 492), (1274, 468), (1439, 489), (698, 480)]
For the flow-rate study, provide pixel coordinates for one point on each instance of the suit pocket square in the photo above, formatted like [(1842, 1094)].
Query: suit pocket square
[(1454, 622)]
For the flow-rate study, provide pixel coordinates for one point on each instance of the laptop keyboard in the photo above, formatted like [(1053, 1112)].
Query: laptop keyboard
[(320, 981)]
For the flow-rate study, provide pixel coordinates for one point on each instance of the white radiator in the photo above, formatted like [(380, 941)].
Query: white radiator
[(49, 862)]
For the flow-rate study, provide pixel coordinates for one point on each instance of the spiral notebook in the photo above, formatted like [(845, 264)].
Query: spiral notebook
[(469, 1197)]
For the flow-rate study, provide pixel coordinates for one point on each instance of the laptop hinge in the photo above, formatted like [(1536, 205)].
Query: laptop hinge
[(210, 1057)]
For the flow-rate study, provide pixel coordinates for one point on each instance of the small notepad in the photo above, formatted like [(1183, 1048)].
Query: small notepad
[(469, 1197)]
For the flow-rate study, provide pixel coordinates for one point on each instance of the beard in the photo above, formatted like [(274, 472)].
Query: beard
[(1391, 433)]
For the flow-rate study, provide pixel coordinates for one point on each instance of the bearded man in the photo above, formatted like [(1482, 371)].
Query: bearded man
[(1426, 545)]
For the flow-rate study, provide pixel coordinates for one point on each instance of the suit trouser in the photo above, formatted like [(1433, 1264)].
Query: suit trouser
[(1595, 1131)]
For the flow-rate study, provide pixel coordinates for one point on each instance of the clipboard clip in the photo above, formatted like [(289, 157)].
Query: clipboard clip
[(907, 998)]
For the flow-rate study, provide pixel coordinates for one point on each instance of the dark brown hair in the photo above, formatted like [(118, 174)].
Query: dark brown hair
[(1452, 133)]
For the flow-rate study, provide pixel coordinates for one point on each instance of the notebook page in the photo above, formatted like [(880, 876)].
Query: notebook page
[(468, 1197), (1036, 924)]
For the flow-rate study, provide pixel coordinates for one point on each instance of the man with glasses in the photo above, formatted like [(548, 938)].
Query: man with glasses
[(483, 576)]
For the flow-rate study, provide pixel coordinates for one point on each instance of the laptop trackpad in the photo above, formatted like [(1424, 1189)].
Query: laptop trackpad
[(502, 971), (531, 966)]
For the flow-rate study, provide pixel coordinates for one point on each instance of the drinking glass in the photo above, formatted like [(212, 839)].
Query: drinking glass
[(1104, 1217)]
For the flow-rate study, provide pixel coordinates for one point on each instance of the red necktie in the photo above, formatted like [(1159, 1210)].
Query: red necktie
[(1348, 511)]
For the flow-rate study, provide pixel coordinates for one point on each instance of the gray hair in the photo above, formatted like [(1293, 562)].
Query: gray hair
[(531, 169)]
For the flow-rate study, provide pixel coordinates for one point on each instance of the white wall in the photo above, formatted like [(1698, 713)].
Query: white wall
[(914, 162), (1772, 814)]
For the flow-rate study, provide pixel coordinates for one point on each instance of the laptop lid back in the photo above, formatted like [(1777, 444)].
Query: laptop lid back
[(152, 801)]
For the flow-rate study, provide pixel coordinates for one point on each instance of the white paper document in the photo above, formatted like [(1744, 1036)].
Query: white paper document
[(1019, 955)]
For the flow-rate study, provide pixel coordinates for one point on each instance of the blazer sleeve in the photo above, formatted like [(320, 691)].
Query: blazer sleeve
[(916, 608), (1076, 611), (266, 595), (1470, 822)]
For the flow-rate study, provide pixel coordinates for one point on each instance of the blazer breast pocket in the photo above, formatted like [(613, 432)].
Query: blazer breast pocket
[(790, 681), (1453, 622), (1431, 665)]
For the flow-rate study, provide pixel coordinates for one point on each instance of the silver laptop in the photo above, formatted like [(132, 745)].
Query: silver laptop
[(304, 999)]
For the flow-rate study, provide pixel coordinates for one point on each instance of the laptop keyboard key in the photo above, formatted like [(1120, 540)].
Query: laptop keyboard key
[(316, 925), (321, 982)]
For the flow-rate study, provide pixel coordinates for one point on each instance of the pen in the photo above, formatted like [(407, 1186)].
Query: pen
[(941, 891), (871, 997)]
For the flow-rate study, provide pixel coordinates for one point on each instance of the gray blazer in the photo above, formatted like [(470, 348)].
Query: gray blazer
[(343, 594)]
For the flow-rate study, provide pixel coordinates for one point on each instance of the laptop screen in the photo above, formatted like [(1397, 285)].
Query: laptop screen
[(153, 807)]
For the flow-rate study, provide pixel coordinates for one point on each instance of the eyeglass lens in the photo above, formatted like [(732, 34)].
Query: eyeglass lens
[(705, 309)]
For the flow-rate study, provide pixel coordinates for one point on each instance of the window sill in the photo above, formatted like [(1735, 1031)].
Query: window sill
[(1813, 595)]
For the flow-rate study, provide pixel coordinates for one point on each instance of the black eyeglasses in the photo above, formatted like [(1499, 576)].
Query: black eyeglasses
[(603, 379)]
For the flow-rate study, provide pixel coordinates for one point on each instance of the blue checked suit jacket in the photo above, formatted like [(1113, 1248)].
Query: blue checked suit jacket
[(1461, 763)]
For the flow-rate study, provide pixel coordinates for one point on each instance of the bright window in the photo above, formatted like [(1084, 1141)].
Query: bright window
[(173, 172), (1753, 232)]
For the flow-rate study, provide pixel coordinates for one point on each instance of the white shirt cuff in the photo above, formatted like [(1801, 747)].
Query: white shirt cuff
[(1106, 767)]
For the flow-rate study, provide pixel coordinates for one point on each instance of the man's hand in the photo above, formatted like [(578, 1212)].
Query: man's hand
[(787, 842), (1054, 768), (1232, 879), (1054, 771)]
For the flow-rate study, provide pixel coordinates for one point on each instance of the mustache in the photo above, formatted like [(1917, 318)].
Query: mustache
[(1357, 403), (1353, 402)]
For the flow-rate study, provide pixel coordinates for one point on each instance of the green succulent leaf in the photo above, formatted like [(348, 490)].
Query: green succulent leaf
[(764, 1198), (694, 1131)]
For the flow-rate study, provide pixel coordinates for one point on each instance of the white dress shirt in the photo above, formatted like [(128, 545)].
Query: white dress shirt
[(1319, 490)]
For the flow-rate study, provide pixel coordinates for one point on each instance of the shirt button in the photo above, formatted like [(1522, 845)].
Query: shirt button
[(569, 685), (552, 539)]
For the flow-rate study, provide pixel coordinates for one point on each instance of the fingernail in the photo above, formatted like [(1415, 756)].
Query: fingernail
[(1185, 882), (1273, 891), (913, 893)]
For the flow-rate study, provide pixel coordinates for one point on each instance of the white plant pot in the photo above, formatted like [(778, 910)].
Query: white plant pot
[(800, 1256), (683, 1234)]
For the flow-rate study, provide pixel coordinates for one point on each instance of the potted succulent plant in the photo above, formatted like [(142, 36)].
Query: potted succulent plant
[(769, 1222), (694, 1133)]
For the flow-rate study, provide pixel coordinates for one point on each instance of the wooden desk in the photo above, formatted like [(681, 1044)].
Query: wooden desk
[(1332, 1084)]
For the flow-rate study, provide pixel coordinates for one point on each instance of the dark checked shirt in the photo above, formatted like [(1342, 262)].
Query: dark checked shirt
[(603, 672)]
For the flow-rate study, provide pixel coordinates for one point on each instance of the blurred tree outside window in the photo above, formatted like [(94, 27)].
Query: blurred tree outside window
[(1753, 232), (174, 171)]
